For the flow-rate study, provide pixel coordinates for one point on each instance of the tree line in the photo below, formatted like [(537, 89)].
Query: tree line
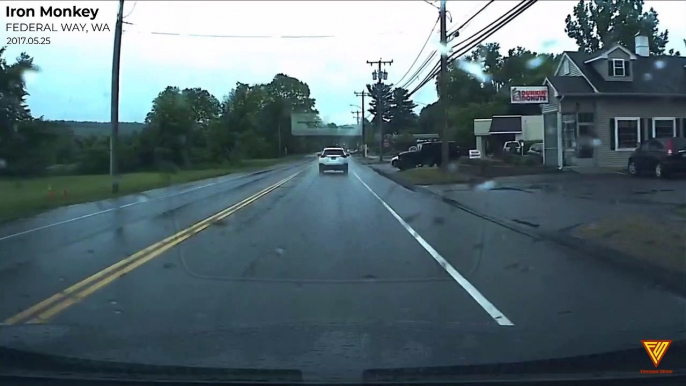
[(187, 128)]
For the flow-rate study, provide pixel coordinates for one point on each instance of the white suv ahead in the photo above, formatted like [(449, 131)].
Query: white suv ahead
[(333, 158)]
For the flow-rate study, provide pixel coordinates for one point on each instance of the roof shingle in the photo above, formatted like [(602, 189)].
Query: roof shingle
[(570, 84), (651, 75)]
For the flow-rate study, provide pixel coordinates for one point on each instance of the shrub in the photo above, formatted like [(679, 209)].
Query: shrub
[(94, 160), (531, 160)]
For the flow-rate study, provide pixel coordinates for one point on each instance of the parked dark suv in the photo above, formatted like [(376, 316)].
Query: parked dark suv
[(660, 157), (427, 153)]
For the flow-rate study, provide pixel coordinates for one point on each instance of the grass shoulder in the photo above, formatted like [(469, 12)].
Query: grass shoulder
[(23, 197)]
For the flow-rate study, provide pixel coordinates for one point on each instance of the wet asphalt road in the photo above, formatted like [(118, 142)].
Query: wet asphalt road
[(321, 276)]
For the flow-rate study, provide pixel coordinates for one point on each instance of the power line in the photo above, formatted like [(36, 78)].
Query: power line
[(421, 68), (484, 33), (450, 33), (420, 52), (232, 36), (415, 76), (479, 37), (473, 16)]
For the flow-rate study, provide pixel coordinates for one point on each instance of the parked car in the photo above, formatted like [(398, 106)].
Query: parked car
[(661, 157), (512, 147), (427, 153), (536, 149)]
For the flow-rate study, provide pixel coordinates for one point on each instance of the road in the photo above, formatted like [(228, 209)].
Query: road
[(329, 274)]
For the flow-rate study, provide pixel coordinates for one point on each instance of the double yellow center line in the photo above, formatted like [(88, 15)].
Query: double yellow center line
[(59, 302)]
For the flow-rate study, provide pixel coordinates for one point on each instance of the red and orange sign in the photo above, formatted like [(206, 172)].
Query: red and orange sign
[(656, 349)]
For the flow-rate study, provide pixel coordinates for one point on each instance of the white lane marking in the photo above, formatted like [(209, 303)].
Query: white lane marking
[(110, 210), (466, 285)]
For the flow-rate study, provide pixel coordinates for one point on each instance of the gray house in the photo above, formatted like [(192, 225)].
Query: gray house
[(603, 105)]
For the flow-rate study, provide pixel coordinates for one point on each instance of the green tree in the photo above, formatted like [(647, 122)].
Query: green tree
[(401, 110), (25, 142), (204, 108), (170, 122), (525, 68), (461, 119), (430, 119), (379, 92), (284, 95), (463, 87), (601, 23)]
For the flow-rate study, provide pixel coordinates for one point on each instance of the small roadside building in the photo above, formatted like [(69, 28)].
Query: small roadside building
[(492, 133), (603, 105)]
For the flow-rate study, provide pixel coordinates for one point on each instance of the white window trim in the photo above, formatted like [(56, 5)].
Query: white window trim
[(638, 133), (673, 119), (614, 67)]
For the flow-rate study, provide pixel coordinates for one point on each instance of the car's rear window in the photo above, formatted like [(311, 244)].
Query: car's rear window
[(338, 152)]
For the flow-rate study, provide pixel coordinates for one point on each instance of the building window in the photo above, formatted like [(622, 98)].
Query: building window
[(565, 67), (586, 126), (618, 67), (627, 133), (664, 127)]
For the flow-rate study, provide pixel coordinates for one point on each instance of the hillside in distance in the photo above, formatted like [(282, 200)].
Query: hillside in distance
[(101, 129)]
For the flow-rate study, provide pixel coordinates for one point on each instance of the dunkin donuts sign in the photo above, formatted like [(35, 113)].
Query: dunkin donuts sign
[(528, 94)]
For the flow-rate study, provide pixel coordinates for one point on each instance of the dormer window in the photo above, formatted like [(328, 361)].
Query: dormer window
[(618, 67), (565, 67)]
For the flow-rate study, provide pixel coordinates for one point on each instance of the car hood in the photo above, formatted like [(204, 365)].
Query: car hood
[(336, 351), (402, 153)]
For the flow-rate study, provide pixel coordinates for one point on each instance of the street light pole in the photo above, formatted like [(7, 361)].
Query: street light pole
[(114, 109)]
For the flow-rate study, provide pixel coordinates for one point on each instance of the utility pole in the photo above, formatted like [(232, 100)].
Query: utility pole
[(356, 114), (442, 83), (380, 76), (364, 143), (114, 109)]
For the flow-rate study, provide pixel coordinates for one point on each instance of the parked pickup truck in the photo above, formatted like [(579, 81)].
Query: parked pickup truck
[(427, 153)]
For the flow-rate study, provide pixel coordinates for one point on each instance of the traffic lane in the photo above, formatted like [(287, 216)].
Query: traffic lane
[(16, 248), (536, 283), (318, 250), (38, 273)]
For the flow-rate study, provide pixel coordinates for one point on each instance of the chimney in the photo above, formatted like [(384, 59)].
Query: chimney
[(642, 48)]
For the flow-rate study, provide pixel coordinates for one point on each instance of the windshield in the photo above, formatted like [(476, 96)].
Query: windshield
[(329, 187)]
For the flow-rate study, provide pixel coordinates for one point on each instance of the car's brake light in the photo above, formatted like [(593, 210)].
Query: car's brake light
[(322, 156), (670, 147)]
